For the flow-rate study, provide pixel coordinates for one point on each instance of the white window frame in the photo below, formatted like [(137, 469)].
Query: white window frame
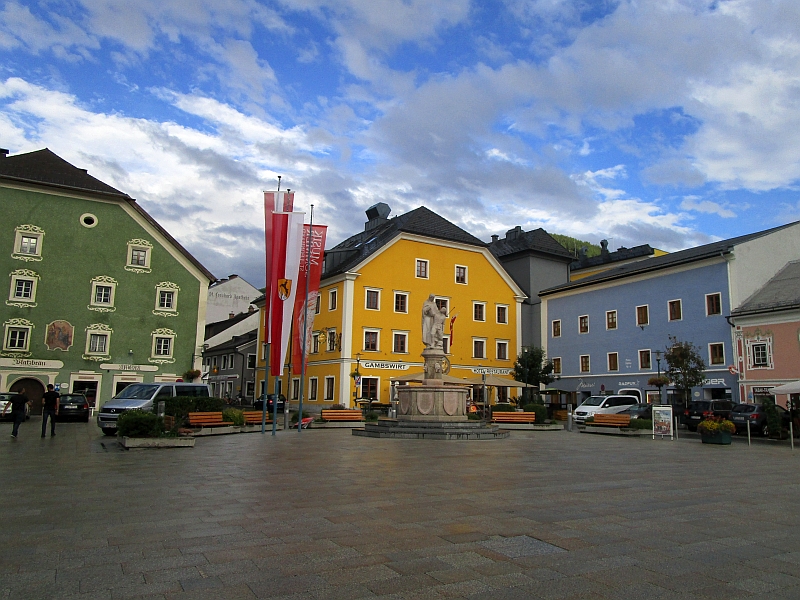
[(17, 325), (559, 363), (366, 295), (475, 304), (649, 357), (553, 328), (608, 361), (251, 358), (479, 339), (636, 315), (166, 287), (328, 347), (98, 329), (295, 388), (377, 387), (231, 361), (720, 304), (249, 388), (315, 342), (579, 324), (103, 281), (711, 364), (318, 304), (497, 345), (497, 308), (224, 366), (313, 389), (446, 344), (616, 320), (395, 335), (377, 333), (330, 388), (28, 231), (466, 275), (394, 304), (588, 362), (141, 246), (680, 308), (750, 343), (158, 334), (441, 301), (333, 299), (18, 301), (417, 262)]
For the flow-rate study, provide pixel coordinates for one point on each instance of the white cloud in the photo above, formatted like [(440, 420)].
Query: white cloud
[(693, 203)]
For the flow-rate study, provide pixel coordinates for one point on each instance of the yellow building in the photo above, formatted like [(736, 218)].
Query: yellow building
[(369, 313)]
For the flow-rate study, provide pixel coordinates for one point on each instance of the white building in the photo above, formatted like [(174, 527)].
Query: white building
[(229, 296)]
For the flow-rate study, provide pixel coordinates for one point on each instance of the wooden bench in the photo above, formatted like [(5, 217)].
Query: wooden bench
[(253, 417), (611, 420), (342, 415), (207, 419), (514, 417)]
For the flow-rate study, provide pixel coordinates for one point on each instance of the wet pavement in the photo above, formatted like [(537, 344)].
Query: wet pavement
[(324, 515)]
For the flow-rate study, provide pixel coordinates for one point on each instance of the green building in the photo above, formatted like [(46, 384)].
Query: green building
[(99, 294)]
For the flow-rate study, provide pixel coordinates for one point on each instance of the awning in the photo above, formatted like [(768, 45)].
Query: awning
[(419, 377), (788, 388)]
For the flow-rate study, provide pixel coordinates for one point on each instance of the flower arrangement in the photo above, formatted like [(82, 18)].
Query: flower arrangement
[(716, 425)]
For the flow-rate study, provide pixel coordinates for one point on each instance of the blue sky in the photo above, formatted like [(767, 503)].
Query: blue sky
[(668, 122)]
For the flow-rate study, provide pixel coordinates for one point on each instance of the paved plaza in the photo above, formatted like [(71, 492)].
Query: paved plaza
[(326, 515)]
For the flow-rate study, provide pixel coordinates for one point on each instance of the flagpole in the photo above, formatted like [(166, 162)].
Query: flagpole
[(305, 319), (267, 320)]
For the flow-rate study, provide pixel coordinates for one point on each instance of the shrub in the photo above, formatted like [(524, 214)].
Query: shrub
[(371, 416), (233, 415), (539, 409), (191, 375), (337, 407), (296, 417), (139, 423), (641, 424), (208, 404), (502, 407), (180, 406), (473, 417)]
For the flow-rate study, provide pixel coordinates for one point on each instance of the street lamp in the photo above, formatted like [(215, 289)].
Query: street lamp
[(659, 355), (356, 375)]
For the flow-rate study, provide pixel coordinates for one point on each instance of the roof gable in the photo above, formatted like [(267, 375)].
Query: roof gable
[(536, 240), (782, 291)]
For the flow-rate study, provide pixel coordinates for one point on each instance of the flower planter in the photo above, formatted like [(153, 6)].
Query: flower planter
[(722, 438)]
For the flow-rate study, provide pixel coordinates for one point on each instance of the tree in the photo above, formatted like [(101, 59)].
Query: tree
[(533, 368), (685, 366)]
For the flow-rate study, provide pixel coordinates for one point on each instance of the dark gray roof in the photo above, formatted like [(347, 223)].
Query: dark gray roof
[(44, 167), (537, 240), (213, 329), (619, 255), (664, 262), (782, 292), (420, 221), (236, 341)]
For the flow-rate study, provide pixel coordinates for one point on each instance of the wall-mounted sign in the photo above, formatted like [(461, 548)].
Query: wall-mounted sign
[(31, 363), (390, 366), (118, 367), (490, 371), (762, 390)]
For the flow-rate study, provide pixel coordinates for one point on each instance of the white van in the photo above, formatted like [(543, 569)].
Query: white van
[(603, 405), (143, 396)]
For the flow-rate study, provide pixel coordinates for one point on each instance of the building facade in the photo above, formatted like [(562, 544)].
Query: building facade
[(603, 331), (228, 297), (229, 368), (100, 295)]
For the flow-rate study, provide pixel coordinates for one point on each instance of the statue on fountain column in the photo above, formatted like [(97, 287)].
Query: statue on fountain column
[(429, 311)]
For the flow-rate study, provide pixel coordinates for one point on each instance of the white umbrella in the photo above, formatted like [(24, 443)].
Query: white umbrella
[(789, 388)]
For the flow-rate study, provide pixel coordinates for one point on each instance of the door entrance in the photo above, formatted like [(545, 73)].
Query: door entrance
[(34, 390), (88, 389)]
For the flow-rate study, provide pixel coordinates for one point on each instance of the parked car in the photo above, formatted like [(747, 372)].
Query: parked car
[(5, 398), (259, 404), (703, 409), (143, 396), (73, 407), (754, 413), (639, 411), (603, 404)]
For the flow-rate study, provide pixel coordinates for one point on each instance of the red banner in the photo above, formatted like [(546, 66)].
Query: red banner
[(311, 270), (273, 202), (287, 235)]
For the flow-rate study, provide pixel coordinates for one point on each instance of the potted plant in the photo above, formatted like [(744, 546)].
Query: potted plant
[(716, 431)]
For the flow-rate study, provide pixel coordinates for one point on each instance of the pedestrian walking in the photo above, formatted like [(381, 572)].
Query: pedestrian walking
[(17, 403), (50, 403)]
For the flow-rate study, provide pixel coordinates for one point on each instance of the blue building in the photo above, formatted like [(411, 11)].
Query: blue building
[(603, 332)]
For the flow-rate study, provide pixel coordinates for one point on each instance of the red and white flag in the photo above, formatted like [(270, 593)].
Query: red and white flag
[(287, 237), (452, 323), (310, 269), (273, 202)]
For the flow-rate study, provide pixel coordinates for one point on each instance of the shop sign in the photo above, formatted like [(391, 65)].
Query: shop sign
[(714, 382), (119, 367), (762, 390), (389, 366), (490, 371), (31, 363)]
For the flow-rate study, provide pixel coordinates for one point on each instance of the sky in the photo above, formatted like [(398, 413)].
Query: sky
[(664, 122)]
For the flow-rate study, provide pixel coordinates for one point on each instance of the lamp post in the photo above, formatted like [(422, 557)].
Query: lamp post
[(659, 355), (356, 375)]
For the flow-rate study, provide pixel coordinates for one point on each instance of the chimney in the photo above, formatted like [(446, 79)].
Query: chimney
[(513, 234), (251, 308), (495, 238), (583, 253), (604, 248), (3, 152), (377, 214), (231, 315)]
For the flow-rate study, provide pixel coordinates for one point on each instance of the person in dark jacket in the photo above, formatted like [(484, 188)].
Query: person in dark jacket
[(49, 409), (17, 403)]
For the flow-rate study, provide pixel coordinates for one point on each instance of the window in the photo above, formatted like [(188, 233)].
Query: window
[(251, 361), (318, 304), (295, 389), (502, 314), (502, 350), (17, 335), (249, 388), (613, 361), (478, 311), (166, 299), (23, 289), (716, 353), (557, 328), (103, 293), (759, 352), (584, 363), (332, 340), (371, 341), (611, 319), (330, 382), (312, 388), (713, 304), (583, 324), (400, 343), (674, 310), (369, 387), (644, 359), (442, 303), (139, 252), (98, 343), (422, 269), (478, 348), (315, 343), (446, 344), (642, 315), (28, 243), (373, 300), (224, 361), (461, 274), (163, 346), (557, 366), (400, 302), (332, 299), (231, 361)]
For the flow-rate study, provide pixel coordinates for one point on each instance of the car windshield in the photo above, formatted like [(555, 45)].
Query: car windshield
[(137, 392), (594, 401), (744, 408)]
